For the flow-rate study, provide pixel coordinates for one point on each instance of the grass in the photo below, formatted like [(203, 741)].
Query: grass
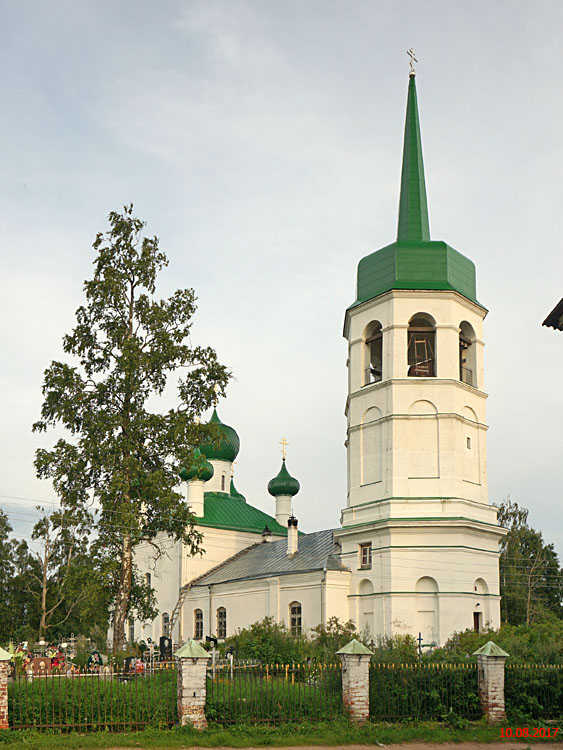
[(329, 733)]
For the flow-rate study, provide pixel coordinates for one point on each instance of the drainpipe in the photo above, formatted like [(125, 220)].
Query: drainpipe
[(323, 598), (209, 620)]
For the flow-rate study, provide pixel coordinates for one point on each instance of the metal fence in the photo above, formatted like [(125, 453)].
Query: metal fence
[(423, 691), (111, 699), (534, 691), (273, 693)]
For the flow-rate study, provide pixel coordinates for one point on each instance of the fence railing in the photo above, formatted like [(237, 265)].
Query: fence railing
[(113, 700), (534, 690), (273, 693), (423, 691)]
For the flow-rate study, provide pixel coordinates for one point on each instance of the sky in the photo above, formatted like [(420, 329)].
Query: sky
[(261, 141)]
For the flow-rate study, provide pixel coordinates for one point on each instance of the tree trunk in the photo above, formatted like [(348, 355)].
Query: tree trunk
[(44, 586), (123, 595)]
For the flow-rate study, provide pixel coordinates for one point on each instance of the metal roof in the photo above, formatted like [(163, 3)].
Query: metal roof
[(316, 552), (221, 511)]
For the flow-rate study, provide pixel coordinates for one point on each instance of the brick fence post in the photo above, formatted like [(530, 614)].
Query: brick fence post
[(355, 658), (491, 659), (192, 677), (4, 671)]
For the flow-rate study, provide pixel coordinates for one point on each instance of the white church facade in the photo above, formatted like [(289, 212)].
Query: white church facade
[(417, 548)]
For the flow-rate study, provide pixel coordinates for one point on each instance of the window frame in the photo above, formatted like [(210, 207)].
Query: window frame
[(365, 557), (221, 615), (295, 618), (198, 624)]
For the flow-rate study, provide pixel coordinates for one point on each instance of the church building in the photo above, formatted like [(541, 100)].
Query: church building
[(417, 548)]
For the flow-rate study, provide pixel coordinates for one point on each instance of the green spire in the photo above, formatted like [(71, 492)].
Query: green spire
[(413, 208)]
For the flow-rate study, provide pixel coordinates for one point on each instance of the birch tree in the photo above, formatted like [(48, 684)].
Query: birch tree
[(121, 454)]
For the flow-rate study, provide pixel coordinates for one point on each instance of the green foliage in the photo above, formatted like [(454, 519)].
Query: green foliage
[(121, 453), (327, 639), (268, 641), (19, 610), (398, 649), (530, 575), (540, 643)]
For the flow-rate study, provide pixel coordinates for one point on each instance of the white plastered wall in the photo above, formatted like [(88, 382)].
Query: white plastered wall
[(417, 479)]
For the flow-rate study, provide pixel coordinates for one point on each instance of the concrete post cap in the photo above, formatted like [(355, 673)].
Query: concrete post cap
[(4, 655)]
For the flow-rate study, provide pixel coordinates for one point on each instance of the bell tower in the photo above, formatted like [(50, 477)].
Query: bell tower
[(418, 531)]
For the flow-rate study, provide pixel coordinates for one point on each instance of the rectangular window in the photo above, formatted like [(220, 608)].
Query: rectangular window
[(295, 618), (365, 555), (221, 622), (198, 625), (131, 630)]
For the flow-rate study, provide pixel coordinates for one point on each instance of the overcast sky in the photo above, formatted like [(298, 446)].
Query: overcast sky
[(261, 141)]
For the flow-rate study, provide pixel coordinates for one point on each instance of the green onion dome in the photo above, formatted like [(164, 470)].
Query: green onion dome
[(235, 493), (284, 483), (228, 446), (200, 469)]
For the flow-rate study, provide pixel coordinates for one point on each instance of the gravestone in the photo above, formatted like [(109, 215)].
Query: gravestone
[(165, 647)]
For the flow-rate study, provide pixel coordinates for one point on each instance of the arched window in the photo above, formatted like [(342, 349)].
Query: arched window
[(198, 624), (373, 357), (223, 482), (421, 351), (166, 624), (295, 622), (148, 580), (221, 622), (467, 358)]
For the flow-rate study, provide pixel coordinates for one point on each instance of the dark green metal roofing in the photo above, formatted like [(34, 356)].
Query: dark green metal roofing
[(235, 493), (283, 483), (228, 445), (200, 468), (222, 511), (414, 261), (413, 207)]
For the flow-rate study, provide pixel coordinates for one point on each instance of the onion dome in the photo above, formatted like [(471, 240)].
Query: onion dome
[(235, 493), (228, 446), (200, 469), (284, 483)]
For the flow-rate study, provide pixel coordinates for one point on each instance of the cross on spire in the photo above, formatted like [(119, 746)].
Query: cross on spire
[(410, 53), (284, 444)]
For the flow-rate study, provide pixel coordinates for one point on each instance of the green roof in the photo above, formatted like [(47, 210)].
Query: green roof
[(490, 649), (222, 511), (235, 493), (355, 647), (414, 261), (283, 483), (226, 448)]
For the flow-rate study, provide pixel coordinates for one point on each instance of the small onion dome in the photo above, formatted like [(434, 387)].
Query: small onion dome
[(284, 483), (200, 469), (235, 493), (228, 446)]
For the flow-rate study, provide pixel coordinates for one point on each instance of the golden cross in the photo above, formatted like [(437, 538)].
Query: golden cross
[(410, 53), (284, 444)]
